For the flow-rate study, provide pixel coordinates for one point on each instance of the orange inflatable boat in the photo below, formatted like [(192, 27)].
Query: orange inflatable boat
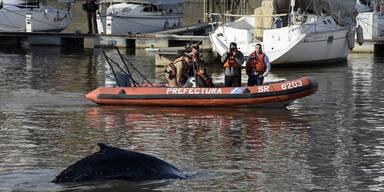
[(272, 94)]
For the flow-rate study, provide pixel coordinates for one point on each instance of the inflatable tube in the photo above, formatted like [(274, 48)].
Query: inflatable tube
[(278, 93)]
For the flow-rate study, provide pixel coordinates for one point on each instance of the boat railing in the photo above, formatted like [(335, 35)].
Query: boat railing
[(127, 64), (239, 15)]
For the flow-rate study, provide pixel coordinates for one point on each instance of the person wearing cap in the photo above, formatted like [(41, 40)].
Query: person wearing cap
[(197, 58), (257, 66), (177, 71), (232, 60)]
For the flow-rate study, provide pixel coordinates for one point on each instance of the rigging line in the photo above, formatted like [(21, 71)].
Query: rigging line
[(314, 6), (278, 98), (32, 18), (110, 65), (137, 71), (118, 66), (126, 66), (372, 25)]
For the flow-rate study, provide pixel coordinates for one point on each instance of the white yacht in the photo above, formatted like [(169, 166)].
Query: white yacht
[(139, 16), (315, 36), (15, 14)]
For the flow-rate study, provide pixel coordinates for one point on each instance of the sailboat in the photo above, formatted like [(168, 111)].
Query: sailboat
[(139, 16), (41, 17), (312, 32)]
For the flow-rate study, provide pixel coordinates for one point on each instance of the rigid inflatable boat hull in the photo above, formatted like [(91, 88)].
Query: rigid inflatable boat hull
[(274, 94)]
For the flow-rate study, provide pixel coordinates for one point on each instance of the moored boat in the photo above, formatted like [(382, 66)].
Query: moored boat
[(318, 31), (139, 16), (15, 14), (280, 93)]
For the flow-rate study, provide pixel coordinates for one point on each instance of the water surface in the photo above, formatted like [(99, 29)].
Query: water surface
[(330, 141)]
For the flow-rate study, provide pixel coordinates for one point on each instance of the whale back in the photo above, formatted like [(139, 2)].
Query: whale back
[(114, 163)]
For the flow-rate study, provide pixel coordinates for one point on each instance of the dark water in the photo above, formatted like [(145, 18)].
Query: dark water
[(330, 141)]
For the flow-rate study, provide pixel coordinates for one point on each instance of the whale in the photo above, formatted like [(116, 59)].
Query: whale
[(115, 163)]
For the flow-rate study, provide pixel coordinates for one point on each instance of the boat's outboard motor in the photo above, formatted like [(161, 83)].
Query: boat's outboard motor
[(124, 80)]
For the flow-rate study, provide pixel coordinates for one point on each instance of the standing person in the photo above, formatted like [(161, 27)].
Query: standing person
[(197, 58), (232, 60), (177, 71), (257, 66), (91, 8)]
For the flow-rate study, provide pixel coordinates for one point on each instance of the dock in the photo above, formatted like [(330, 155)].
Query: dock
[(166, 45), (170, 38), (369, 46)]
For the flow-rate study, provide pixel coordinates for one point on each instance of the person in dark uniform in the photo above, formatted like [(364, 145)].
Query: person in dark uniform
[(202, 78), (91, 8), (232, 60)]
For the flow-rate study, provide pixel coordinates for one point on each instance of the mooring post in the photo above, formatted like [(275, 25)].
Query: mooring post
[(108, 25), (28, 22)]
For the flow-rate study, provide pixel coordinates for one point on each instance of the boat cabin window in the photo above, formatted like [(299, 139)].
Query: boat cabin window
[(329, 21), (324, 22), (30, 4), (126, 9), (151, 8)]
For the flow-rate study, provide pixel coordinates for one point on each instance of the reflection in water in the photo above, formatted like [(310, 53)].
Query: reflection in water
[(240, 142), (41, 181), (330, 141)]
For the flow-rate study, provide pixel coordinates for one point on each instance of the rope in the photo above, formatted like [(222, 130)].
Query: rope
[(371, 25), (274, 92)]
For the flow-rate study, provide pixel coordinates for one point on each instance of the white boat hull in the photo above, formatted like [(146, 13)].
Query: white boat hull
[(304, 43), (142, 24), (43, 19), (314, 47)]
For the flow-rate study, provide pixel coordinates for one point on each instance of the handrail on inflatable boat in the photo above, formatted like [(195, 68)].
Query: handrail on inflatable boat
[(127, 72)]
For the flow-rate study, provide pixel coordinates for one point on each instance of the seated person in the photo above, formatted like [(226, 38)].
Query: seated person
[(177, 71), (202, 78)]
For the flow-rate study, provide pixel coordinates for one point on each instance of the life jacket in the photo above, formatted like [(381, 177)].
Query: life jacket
[(231, 61), (197, 59), (257, 63), (174, 69), (207, 80)]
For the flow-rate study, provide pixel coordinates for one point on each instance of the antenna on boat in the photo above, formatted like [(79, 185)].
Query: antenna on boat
[(113, 71), (112, 43), (118, 66), (126, 60), (126, 67), (109, 60)]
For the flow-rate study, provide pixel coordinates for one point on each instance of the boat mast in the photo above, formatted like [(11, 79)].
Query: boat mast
[(222, 7), (291, 18)]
